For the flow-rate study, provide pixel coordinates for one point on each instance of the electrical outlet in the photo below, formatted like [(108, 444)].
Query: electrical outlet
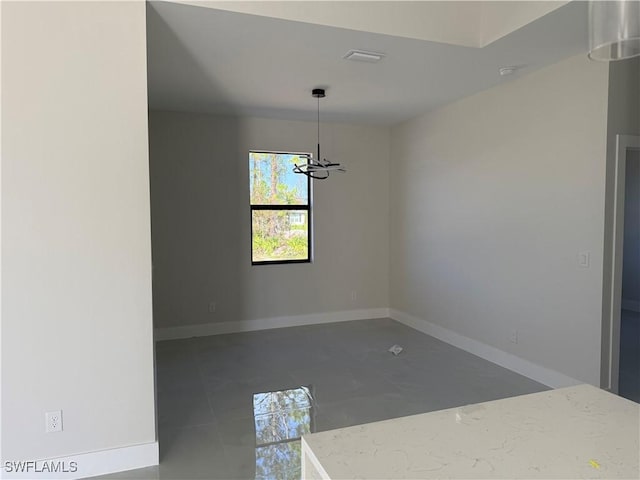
[(513, 338), (212, 307), (53, 421)]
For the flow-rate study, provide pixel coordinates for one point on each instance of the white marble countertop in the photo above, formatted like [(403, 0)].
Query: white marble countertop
[(574, 432)]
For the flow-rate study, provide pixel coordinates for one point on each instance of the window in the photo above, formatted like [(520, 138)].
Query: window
[(280, 209)]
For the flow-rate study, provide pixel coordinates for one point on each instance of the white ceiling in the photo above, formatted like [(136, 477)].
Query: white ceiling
[(457, 22), (208, 60)]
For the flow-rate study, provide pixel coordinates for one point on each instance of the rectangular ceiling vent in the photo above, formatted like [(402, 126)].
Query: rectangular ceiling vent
[(362, 56)]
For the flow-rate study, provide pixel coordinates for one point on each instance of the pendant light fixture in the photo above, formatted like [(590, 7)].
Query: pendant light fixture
[(318, 169), (614, 29)]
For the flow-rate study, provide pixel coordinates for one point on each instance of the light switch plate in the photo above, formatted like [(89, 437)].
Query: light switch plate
[(584, 259)]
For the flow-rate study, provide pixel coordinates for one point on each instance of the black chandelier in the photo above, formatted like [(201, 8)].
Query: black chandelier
[(317, 168)]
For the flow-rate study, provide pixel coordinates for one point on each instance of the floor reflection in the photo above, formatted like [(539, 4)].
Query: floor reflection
[(281, 418)]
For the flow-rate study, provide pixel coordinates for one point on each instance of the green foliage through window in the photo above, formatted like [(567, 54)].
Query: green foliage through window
[(280, 209)]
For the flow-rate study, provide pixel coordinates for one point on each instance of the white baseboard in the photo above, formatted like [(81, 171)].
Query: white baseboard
[(188, 331), (83, 465), (633, 305), (531, 370)]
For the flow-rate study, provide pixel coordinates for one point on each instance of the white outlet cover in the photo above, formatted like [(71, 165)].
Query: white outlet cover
[(53, 421)]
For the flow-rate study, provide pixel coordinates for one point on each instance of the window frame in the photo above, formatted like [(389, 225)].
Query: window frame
[(280, 207)]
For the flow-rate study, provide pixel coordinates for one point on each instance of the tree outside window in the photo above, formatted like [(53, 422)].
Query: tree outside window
[(280, 209)]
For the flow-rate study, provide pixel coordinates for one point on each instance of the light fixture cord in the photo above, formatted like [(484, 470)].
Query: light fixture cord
[(318, 159)]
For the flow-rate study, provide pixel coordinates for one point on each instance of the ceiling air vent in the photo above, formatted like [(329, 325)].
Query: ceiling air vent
[(362, 56)]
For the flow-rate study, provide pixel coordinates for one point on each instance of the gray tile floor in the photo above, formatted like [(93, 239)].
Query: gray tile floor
[(629, 378), (206, 386)]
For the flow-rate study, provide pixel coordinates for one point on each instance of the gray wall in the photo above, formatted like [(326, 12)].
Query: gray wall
[(492, 199), (76, 254), (631, 256), (201, 221)]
